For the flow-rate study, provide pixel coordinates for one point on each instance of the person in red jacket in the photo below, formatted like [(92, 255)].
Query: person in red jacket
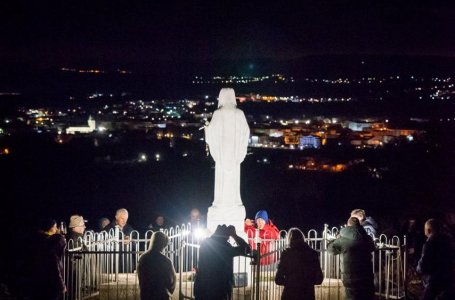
[(268, 232)]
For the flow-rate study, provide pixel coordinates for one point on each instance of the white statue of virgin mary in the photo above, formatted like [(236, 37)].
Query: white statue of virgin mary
[(227, 136)]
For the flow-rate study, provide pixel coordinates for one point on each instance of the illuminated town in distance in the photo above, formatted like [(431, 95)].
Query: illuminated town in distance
[(350, 105)]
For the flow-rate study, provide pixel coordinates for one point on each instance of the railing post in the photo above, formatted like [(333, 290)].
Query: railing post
[(326, 255), (405, 267), (257, 241), (117, 249), (181, 250)]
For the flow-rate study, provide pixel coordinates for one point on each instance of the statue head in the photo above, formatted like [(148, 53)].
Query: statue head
[(227, 98)]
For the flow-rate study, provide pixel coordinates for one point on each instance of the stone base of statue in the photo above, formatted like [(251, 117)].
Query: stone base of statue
[(228, 215)]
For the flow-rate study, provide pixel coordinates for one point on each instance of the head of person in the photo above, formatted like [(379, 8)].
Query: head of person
[(195, 215), (221, 232), (227, 98), (295, 237), (261, 218), (77, 224), (359, 214), (158, 241), (103, 222), (121, 217), (159, 220), (411, 224), (432, 226), (48, 226), (353, 221)]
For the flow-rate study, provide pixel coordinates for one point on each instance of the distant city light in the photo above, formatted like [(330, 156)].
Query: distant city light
[(142, 157)]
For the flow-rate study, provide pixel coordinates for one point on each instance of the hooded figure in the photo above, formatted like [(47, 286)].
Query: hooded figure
[(227, 136), (155, 271)]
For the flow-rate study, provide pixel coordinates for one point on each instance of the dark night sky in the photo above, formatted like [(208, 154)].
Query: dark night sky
[(123, 32)]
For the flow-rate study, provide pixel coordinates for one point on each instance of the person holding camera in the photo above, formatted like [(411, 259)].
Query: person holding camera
[(268, 232), (214, 274)]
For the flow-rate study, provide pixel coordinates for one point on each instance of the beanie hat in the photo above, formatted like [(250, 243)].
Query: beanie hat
[(263, 215), (76, 220)]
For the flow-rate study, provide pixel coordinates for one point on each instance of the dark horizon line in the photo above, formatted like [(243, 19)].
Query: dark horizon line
[(159, 60)]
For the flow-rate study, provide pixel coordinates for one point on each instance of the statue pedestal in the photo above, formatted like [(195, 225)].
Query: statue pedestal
[(228, 215)]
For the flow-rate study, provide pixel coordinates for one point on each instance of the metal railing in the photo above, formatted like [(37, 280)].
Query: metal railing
[(102, 265)]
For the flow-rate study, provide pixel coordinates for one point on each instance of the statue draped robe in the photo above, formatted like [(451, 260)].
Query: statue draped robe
[(227, 136)]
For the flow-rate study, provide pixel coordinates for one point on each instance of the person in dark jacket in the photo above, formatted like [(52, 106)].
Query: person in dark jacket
[(127, 261), (298, 269), (355, 247), (76, 277), (47, 264), (155, 271), (159, 223), (121, 222), (436, 263), (76, 231), (214, 274)]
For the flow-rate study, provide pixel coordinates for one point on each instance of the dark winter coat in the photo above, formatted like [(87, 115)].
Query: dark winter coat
[(355, 247), (370, 226), (436, 262), (156, 276), (126, 230), (214, 277), (75, 240), (299, 270), (47, 267)]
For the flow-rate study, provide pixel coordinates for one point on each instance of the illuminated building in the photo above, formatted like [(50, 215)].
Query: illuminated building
[(91, 126)]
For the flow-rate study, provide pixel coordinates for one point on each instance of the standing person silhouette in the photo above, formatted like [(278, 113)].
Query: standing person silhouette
[(437, 262), (355, 247), (214, 275), (156, 274), (299, 269)]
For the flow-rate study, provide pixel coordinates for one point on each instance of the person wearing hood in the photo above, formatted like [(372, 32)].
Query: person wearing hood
[(156, 274), (355, 247), (299, 269), (267, 233)]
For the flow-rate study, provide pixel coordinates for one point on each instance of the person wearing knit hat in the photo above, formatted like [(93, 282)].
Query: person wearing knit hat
[(262, 214), (267, 233)]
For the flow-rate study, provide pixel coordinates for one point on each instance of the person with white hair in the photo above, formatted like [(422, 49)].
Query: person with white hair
[(156, 274), (121, 222), (127, 261)]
